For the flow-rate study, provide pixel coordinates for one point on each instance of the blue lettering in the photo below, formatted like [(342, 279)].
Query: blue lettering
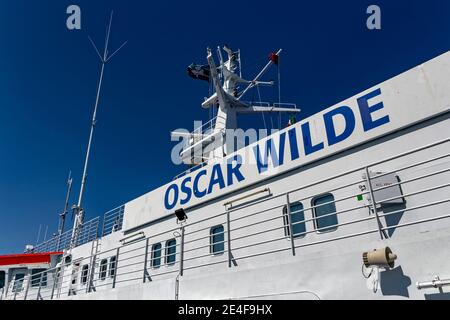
[(234, 170), (198, 193), (292, 134), (349, 117), (309, 148), (168, 205), (186, 190), (216, 178), (366, 111), (277, 158)]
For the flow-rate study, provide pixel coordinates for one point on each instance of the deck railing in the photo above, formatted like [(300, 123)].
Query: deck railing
[(88, 232), (246, 233), (113, 220)]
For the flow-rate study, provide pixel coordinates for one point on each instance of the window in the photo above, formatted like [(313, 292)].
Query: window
[(217, 239), (324, 205), (171, 250), (156, 255), (18, 282), (2, 279), (297, 216), (38, 277), (84, 273), (76, 268), (103, 267), (112, 266)]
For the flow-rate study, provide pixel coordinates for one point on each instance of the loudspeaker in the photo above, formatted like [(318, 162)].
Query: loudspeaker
[(380, 258)]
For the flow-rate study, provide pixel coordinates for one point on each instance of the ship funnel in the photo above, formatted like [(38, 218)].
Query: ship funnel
[(380, 258)]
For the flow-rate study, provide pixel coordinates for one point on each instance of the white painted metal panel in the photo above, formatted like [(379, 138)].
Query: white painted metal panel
[(411, 97)]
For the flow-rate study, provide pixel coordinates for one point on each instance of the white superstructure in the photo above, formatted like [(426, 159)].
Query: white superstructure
[(289, 216)]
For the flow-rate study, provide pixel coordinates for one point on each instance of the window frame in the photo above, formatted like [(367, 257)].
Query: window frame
[(112, 266), (212, 243), (103, 269), (315, 220), (174, 254), (34, 277), (286, 221), (84, 274), (153, 258), (16, 286)]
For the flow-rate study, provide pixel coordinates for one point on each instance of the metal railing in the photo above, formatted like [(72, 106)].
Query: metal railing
[(292, 106), (190, 170), (113, 220), (56, 243), (205, 127), (88, 232), (251, 231)]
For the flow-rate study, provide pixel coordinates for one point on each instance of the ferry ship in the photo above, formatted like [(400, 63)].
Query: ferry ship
[(349, 203)]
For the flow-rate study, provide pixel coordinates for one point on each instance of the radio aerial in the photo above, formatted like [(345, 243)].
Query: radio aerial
[(78, 211)]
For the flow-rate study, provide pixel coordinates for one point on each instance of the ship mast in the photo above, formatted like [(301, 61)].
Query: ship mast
[(204, 147), (78, 210), (62, 216)]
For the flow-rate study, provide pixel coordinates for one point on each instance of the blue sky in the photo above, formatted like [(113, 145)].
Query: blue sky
[(49, 75)]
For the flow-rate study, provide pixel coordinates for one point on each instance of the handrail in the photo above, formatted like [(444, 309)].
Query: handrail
[(132, 264), (283, 194)]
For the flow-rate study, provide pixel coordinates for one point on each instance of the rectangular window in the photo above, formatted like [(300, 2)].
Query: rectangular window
[(103, 268), (297, 220), (18, 282), (112, 266), (2, 279), (156, 255), (84, 274), (325, 213), (171, 250), (38, 277), (217, 239)]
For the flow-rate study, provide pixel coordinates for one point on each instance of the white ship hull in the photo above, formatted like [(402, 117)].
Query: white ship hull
[(259, 259), (322, 268)]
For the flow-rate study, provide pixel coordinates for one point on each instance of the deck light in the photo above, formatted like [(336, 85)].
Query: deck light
[(181, 214)]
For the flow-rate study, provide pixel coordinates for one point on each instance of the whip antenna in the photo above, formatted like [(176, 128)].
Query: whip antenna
[(78, 211)]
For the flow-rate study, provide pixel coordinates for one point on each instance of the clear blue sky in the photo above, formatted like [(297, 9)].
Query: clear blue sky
[(49, 75)]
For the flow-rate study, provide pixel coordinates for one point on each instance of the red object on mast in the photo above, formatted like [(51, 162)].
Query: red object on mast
[(273, 57)]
